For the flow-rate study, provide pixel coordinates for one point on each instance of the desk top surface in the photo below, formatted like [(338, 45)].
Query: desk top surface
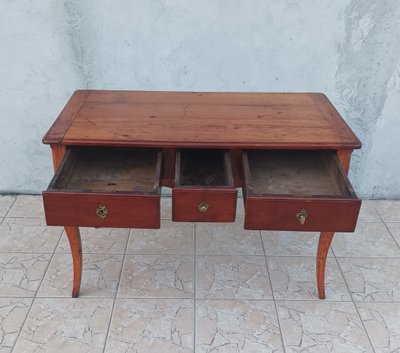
[(196, 119)]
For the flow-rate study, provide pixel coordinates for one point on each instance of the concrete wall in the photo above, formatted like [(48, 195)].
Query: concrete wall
[(349, 49)]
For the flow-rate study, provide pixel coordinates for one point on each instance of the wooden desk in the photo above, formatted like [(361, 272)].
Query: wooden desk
[(114, 150)]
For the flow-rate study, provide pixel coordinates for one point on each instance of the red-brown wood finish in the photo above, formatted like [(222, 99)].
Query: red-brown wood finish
[(58, 153), (279, 213), (124, 211), (236, 162), (57, 131), (344, 157), (221, 199), (325, 238), (173, 120), (168, 167), (202, 119), (74, 239), (73, 234), (324, 243), (222, 205)]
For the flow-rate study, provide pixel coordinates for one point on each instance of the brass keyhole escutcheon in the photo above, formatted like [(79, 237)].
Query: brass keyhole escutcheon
[(203, 206), (302, 216), (102, 211)]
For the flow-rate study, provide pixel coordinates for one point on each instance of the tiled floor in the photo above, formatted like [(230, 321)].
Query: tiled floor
[(211, 288)]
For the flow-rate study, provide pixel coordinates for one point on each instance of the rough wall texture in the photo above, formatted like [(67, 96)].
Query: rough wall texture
[(349, 49)]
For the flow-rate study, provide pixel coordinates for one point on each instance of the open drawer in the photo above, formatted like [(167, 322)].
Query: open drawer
[(204, 189), (297, 190), (105, 187)]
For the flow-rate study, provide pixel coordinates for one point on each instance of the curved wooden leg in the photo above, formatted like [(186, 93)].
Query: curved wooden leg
[(324, 242), (74, 238)]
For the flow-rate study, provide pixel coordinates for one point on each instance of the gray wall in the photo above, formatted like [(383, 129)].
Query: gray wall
[(349, 49)]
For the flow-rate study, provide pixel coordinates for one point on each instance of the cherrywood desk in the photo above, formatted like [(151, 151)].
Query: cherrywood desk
[(114, 150)]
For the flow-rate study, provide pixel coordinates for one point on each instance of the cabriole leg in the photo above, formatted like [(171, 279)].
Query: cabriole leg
[(74, 238), (325, 240)]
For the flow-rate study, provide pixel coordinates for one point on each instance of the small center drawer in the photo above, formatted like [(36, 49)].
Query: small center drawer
[(204, 190), (105, 187), (297, 190)]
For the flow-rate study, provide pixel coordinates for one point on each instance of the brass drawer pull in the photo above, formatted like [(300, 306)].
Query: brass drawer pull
[(102, 211), (302, 216), (203, 206)]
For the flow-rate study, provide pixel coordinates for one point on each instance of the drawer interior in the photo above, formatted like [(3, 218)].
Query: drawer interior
[(109, 169), (296, 173), (203, 167)]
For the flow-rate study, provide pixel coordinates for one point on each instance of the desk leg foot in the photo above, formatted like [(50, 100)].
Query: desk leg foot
[(74, 238), (325, 240)]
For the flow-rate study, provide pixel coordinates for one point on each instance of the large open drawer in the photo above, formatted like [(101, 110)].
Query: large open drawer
[(204, 190), (297, 190), (106, 187)]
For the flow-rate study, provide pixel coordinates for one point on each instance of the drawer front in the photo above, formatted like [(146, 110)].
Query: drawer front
[(203, 205), (102, 210), (301, 214)]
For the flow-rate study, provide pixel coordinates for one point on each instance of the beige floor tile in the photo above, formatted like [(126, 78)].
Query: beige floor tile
[(98, 240), (293, 278), (322, 327), (5, 203), (240, 210), (151, 325), (166, 208), (166, 192), (157, 276), (225, 326), (369, 240), (27, 206), (375, 279), (227, 239), (368, 213), (232, 277), (381, 321), (21, 274), (394, 229), (389, 210), (28, 235), (13, 312), (290, 243), (171, 238), (65, 325), (99, 278)]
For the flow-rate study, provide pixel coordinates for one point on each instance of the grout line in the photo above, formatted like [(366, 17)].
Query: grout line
[(355, 306), (387, 228), (272, 293), (368, 257), (28, 217), (23, 323), (194, 287), (30, 252), (117, 290), (231, 299), (48, 265), (200, 254), (10, 207), (36, 292), (122, 254), (316, 300)]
